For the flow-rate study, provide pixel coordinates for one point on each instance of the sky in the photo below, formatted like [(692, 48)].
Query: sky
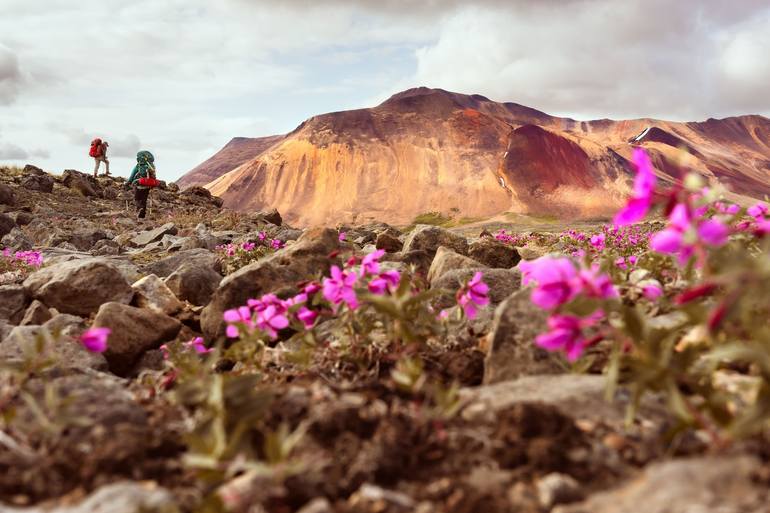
[(182, 77)]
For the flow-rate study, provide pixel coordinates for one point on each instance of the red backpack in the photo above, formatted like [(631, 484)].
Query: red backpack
[(96, 148)]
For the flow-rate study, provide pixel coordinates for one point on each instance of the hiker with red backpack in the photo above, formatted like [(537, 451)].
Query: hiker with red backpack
[(143, 180), (99, 152)]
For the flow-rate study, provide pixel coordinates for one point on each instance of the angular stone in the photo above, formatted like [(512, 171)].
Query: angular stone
[(199, 257), (389, 241), (41, 183), (276, 273), (7, 196), (6, 224), (194, 283), (37, 313), (134, 331), (105, 247), (448, 260), (16, 240), (13, 302), (154, 235), (272, 217), (429, 238), (707, 484), (494, 253), (150, 292), (87, 185), (23, 218), (512, 350), (79, 286)]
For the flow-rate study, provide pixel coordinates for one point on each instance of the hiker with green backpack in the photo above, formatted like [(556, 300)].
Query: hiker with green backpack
[(143, 180)]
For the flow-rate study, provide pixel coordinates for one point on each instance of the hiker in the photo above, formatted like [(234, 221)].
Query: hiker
[(99, 153), (143, 180)]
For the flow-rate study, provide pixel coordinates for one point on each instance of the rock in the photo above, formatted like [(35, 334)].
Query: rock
[(429, 238), (16, 240), (285, 234), (134, 331), (87, 185), (276, 273), (502, 283), (79, 286), (29, 169), (105, 247), (5, 329), (556, 488), (493, 253), (512, 350), (389, 241), (198, 257), (37, 313), (7, 196), (60, 337), (23, 218), (155, 234), (447, 260), (420, 259), (40, 183), (67, 246), (717, 484), (150, 292), (530, 253), (317, 505), (6, 224), (122, 497), (272, 217), (13, 302), (83, 239), (194, 283)]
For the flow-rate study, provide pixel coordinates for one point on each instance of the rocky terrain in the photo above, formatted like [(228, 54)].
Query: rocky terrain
[(430, 150), (362, 415)]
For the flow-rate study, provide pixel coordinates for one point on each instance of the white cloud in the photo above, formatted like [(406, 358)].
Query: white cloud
[(10, 76)]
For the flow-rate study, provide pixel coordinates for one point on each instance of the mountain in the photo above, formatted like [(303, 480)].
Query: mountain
[(426, 150)]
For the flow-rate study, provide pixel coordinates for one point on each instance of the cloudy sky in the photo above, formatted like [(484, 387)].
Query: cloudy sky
[(181, 77)]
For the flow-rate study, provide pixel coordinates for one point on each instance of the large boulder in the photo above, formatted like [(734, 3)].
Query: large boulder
[(429, 238), (85, 184), (198, 257), (447, 260), (502, 283), (6, 224), (389, 241), (194, 283), (13, 302), (278, 273), (272, 217), (493, 253), (41, 183), (155, 234), (710, 484), (134, 331), (150, 292), (80, 286), (512, 350), (7, 196)]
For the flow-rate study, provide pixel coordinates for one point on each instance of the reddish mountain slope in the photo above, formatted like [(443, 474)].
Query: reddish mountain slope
[(234, 153), (431, 150)]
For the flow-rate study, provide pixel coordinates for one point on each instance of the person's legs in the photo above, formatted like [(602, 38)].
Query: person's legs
[(140, 197), (107, 165), (96, 169)]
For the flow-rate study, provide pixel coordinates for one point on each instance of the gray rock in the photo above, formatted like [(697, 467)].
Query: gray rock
[(59, 338), (194, 283), (17, 240), (448, 260), (198, 257), (276, 273), (512, 350), (87, 185), (6, 224), (105, 247), (429, 238), (79, 286), (7, 196), (134, 331), (82, 239), (556, 488), (493, 253), (150, 292), (286, 234), (502, 283), (154, 235), (37, 313), (13, 302), (718, 484), (41, 183)]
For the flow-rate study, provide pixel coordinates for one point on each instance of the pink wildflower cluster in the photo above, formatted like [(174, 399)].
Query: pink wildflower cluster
[(232, 249), (512, 239), (340, 287), (687, 231), (759, 221), (30, 258), (473, 295), (559, 281)]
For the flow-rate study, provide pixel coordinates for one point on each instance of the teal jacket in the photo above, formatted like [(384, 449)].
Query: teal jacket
[(144, 162)]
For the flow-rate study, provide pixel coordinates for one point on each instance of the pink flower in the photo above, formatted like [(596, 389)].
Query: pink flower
[(597, 241), (339, 288), (248, 246), (566, 334), (276, 244), (644, 185), (370, 263), (272, 319), (555, 278), (757, 211), (383, 282), (473, 294), (342, 236), (164, 350), (594, 284), (672, 240), (311, 288), (262, 236), (307, 316), (621, 263), (95, 339), (443, 315), (241, 315), (652, 290), (198, 345)]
